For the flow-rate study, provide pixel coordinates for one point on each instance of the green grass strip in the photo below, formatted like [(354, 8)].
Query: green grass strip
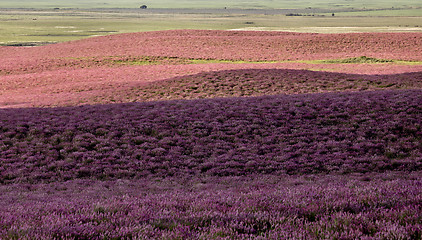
[(361, 60)]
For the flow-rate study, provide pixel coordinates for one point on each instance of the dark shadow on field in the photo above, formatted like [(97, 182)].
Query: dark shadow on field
[(361, 132), (258, 82)]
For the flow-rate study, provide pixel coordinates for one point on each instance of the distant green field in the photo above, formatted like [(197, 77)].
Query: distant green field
[(42, 26), (288, 4), (416, 12), (46, 21)]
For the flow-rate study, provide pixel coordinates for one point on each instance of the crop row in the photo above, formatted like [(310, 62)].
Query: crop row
[(373, 206), (297, 134)]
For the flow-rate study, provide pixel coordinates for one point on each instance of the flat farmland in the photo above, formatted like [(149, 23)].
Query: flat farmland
[(31, 27), (262, 4), (223, 120)]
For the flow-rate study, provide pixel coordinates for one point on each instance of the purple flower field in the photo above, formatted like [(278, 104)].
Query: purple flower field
[(358, 206), (292, 134), (311, 166)]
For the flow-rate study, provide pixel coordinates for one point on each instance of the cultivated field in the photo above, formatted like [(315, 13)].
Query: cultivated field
[(206, 134)]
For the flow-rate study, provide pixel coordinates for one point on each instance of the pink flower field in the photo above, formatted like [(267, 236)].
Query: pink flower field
[(112, 68), (194, 134)]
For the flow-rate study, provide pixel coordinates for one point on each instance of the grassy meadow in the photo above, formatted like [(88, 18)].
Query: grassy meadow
[(286, 4), (40, 26), (41, 22)]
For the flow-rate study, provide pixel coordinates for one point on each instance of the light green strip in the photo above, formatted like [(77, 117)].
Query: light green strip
[(361, 60), (148, 60)]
